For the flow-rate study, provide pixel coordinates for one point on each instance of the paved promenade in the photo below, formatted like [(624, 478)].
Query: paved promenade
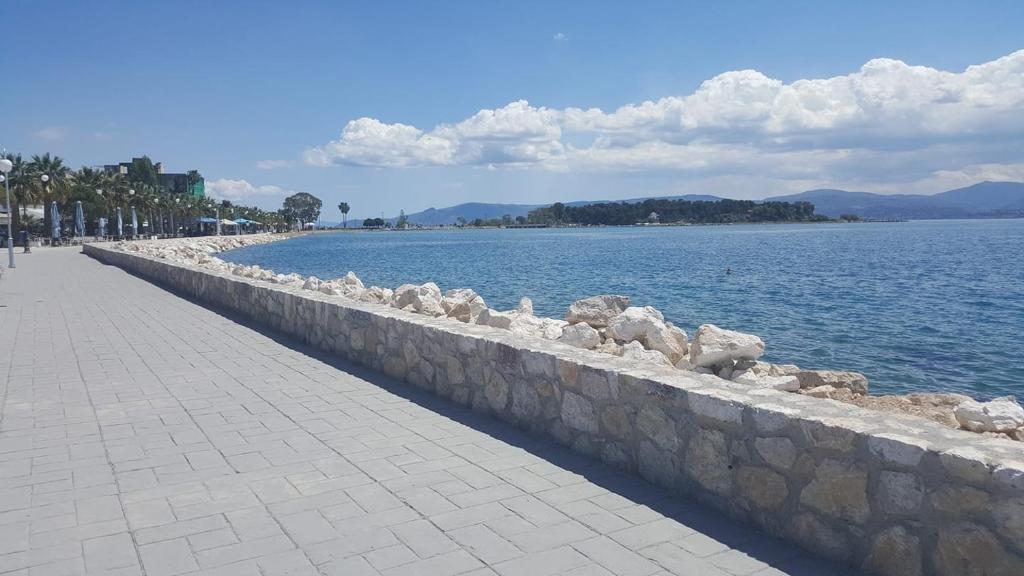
[(144, 434)]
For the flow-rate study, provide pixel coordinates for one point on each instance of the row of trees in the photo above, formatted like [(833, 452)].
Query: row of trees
[(673, 211), (169, 212)]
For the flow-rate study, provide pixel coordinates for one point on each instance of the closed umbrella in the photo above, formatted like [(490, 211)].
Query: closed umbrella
[(55, 219), (103, 226), (120, 224), (79, 220), (135, 223)]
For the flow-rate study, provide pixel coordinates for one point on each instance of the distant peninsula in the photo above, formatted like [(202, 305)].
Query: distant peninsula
[(981, 200)]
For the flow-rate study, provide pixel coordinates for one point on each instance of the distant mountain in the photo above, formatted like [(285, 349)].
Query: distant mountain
[(980, 200), (985, 199)]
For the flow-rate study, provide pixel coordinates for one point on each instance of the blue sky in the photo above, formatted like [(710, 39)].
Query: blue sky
[(392, 105)]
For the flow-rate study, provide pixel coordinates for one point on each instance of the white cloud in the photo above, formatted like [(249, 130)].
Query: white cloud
[(242, 191), (559, 36), (52, 133), (274, 164), (886, 117)]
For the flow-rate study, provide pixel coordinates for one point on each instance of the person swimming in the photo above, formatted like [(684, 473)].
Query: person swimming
[(728, 270)]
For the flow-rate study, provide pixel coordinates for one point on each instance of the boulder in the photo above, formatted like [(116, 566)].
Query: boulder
[(374, 294), (596, 310), (580, 335), (998, 415), (331, 288), (311, 283), (423, 299), (463, 304), (749, 378), (525, 306), (530, 325), (647, 326), (495, 319), (713, 346), (635, 351), (608, 347), (352, 282), (854, 381)]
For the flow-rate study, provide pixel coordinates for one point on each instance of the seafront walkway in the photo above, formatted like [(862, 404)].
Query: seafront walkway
[(142, 433)]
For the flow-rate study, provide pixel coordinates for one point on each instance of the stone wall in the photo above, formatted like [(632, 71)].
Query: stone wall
[(889, 494)]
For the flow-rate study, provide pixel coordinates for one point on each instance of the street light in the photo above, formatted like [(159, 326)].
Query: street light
[(46, 184), (5, 167)]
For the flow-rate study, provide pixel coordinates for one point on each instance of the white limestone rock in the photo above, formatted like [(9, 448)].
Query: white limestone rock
[(635, 351), (580, 335), (352, 282), (423, 299), (854, 381), (596, 310), (786, 383), (608, 347), (495, 319), (311, 283), (713, 346), (530, 325), (332, 288), (375, 294), (647, 326), (463, 304), (525, 306), (997, 415)]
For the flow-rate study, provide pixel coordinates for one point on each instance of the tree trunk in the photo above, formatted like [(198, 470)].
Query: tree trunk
[(14, 219)]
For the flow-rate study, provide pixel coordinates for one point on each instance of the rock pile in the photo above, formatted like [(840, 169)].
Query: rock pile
[(610, 324)]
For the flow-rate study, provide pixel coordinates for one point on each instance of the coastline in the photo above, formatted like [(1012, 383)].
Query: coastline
[(850, 388), (863, 487)]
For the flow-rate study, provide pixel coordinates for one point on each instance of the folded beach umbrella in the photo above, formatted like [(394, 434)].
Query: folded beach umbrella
[(79, 220), (55, 221), (135, 223), (120, 224), (103, 226)]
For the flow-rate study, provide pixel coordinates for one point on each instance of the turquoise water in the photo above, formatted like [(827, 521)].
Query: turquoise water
[(916, 306)]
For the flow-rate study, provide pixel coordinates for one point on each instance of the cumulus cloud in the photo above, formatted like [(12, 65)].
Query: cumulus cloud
[(737, 121), (242, 190), (559, 36)]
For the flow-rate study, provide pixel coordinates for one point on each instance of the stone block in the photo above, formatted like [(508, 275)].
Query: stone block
[(838, 490)]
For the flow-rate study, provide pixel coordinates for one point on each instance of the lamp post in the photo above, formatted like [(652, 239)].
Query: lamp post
[(5, 168), (131, 192), (103, 228), (45, 179)]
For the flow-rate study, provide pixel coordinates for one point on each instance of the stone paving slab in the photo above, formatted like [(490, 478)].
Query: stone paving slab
[(142, 433)]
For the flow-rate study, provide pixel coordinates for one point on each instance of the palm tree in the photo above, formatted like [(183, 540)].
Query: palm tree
[(86, 186), (55, 188), (343, 207), (21, 192)]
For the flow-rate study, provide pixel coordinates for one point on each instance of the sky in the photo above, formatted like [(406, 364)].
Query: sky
[(408, 105)]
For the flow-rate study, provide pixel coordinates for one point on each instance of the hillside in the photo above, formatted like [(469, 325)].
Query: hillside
[(473, 210), (985, 199)]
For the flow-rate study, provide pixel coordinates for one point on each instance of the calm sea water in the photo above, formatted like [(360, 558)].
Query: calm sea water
[(915, 306)]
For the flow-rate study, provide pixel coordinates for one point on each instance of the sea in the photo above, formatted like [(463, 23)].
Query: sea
[(921, 306)]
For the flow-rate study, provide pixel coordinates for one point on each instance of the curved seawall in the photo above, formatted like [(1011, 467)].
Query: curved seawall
[(890, 494)]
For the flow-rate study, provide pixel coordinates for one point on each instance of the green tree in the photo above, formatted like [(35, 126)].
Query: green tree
[(141, 171), (403, 220), (303, 207), (343, 208), (21, 190), (54, 189)]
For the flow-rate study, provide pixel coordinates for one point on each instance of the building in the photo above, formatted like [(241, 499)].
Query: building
[(190, 183)]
